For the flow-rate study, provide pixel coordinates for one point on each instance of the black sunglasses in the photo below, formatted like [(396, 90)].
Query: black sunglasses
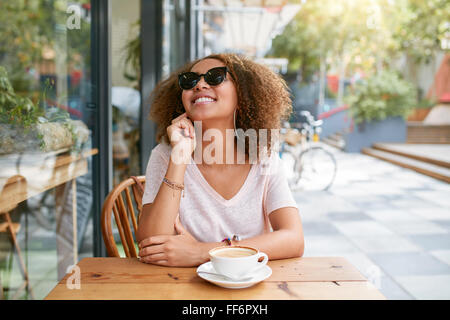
[(213, 77)]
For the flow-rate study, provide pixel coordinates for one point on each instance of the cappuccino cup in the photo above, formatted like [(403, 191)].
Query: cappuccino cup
[(237, 262)]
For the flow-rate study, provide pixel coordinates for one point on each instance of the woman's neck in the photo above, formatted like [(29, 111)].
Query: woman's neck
[(217, 147)]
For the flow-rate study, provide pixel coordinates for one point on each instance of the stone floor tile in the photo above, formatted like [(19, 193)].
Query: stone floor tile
[(392, 214), (431, 241), (413, 178), (371, 202), (409, 264), (427, 287), (319, 228), (362, 228), (379, 189), (313, 205), (431, 212), (392, 290), (380, 204), (442, 255), (361, 261), (443, 224), (438, 197), (348, 216), (400, 181), (384, 243), (375, 275), (408, 203), (440, 185), (330, 245), (350, 192), (415, 227)]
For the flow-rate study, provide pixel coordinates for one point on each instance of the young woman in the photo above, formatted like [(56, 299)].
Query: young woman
[(198, 197)]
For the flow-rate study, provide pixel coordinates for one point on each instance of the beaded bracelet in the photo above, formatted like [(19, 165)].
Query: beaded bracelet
[(228, 240), (174, 186)]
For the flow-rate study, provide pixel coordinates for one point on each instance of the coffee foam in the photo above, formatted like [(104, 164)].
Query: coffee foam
[(239, 251)]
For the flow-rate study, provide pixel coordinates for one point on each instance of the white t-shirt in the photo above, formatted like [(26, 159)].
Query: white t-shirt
[(206, 214)]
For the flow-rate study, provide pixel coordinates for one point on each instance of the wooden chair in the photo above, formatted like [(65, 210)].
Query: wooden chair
[(125, 206), (12, 229)]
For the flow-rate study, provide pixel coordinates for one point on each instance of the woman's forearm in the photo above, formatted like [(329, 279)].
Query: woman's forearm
[(280, 244), (159, 217)]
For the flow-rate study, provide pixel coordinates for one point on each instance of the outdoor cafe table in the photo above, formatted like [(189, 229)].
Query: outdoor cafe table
[(297, 278)]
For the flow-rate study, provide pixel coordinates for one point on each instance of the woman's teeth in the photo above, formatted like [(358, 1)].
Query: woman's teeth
[(204, 99)]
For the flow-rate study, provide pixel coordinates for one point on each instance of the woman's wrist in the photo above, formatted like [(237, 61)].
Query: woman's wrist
[(205, 247), (180, 156), (175, 171)]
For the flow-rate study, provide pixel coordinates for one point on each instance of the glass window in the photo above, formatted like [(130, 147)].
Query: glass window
[(167, 43), (125, 91), (45, 143)]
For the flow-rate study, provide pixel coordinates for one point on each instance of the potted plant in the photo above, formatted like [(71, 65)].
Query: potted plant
[(27, 127), (379, 107)]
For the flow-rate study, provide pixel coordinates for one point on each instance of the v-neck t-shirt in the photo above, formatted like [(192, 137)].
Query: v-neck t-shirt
[(209, 217)]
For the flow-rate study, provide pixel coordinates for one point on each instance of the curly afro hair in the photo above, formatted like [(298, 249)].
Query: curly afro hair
[(264, 99)]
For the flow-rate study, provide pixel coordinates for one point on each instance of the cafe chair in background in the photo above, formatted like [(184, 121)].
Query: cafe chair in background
[(120, 214), (12, 228)]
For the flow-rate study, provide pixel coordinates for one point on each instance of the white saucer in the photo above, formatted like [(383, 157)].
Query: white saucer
[(261, 275)]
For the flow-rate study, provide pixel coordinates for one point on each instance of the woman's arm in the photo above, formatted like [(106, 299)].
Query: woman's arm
[(286, 240), (159, 216), (182, 250)]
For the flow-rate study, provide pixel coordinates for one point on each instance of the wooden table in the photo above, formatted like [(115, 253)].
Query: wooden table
[(35, 173), (26, 175), (298, 278)]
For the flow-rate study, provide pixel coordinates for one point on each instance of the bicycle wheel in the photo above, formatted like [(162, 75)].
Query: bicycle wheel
[(316, 169), (288, 160)]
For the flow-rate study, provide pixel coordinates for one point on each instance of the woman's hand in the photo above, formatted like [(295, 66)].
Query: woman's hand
[(181, 250), (182, 138)]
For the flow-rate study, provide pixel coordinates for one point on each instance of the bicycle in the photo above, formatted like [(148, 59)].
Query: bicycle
[(309, 164)]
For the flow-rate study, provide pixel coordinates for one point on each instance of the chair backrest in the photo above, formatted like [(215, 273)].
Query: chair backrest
[(125, 207)]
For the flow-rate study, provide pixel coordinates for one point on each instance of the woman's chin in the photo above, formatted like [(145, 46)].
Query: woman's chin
[(201, 114)]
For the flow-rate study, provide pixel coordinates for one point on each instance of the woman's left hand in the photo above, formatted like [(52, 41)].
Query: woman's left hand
[(181, 250)]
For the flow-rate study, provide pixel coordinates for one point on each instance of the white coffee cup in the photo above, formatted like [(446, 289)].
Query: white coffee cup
[(237, 262)]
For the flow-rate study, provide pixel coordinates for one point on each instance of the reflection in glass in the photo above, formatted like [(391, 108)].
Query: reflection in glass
[(125, 91), (45, 144)]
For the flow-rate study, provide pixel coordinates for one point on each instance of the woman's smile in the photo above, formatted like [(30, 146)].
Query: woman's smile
[(203, 99)]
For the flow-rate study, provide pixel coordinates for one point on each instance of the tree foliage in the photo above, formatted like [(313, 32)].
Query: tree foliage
[(366, 34), (28, 28), (422, 27)]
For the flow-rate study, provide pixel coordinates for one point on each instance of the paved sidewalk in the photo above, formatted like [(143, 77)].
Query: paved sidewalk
[(392, 223)]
